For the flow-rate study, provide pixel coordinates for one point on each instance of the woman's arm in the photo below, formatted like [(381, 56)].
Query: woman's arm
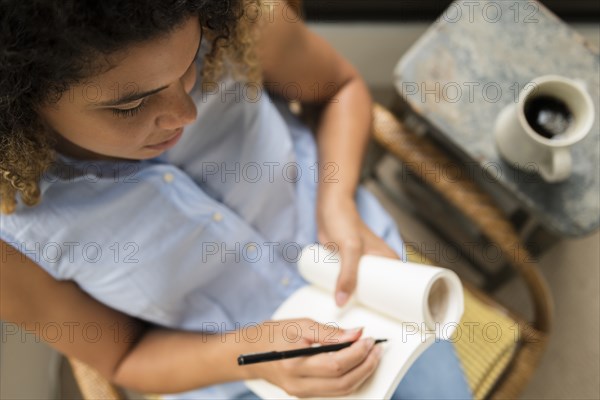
[(148, 359), (123, 349), (32, 299), (300, 65), (294, 57)]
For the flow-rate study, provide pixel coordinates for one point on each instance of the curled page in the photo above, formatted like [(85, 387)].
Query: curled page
[(428, 296)]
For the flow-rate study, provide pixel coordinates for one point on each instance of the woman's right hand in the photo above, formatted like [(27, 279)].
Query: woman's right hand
[(335, 373)]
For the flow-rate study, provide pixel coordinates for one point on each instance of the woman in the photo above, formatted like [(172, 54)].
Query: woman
[(174, 244)]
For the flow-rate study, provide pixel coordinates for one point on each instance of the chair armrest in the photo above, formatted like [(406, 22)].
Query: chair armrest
[(91, 384)]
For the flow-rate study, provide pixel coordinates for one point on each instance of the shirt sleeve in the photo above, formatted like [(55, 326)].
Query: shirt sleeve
[(149, 242)]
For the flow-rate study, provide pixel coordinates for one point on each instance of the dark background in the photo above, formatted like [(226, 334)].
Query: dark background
[(427, 10)]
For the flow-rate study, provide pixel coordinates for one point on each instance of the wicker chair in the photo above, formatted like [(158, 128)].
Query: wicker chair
[(494, 368), (498, 368)]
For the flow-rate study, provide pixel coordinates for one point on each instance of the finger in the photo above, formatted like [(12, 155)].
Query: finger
[(349, 382), (336, 363), (356, 377), (350, 250), (315, 332)]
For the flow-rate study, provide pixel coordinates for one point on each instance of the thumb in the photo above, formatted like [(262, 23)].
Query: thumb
[(350, 253)]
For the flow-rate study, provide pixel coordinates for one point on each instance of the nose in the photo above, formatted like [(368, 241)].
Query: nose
[(178, 108)]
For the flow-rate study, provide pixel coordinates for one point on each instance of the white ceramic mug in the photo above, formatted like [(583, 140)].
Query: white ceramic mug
[(520, 144)]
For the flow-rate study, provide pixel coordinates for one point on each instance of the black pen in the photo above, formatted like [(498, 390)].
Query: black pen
[(253, 358)]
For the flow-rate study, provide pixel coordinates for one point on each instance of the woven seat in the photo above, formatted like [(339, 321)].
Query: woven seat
[(487, 355)]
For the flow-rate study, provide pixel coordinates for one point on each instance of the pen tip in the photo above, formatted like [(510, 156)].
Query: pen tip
[(380, 340)]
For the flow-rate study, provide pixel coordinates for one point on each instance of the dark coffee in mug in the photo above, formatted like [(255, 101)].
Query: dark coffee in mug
[(552, 114), (547, 115)]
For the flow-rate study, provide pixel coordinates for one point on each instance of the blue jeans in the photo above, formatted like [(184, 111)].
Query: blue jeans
[(436, 374)]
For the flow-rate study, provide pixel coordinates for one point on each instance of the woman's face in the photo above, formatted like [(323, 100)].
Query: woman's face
[(135, 110)]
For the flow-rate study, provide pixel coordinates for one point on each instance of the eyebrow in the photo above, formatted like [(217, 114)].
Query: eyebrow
[(137, 96)]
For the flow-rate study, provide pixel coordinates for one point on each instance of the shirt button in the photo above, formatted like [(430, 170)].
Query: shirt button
[(285, 281), (251, 247), (217, 217), (168, 177)]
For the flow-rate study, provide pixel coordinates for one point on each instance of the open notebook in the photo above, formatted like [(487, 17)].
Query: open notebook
[(411, 305)]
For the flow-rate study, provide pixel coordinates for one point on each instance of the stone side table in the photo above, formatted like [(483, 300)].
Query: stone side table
[(473, 62)]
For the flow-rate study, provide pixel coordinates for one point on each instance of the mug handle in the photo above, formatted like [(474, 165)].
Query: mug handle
[(560, 167)]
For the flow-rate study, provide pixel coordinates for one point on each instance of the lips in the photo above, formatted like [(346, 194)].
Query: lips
[(170, 142)]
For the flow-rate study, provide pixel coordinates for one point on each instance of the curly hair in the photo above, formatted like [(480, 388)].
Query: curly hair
[(48, 45)]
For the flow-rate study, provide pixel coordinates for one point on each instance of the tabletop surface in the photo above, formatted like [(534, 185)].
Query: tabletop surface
[(471, 63)]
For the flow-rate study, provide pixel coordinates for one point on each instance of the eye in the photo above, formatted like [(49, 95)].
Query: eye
[(129, 112)]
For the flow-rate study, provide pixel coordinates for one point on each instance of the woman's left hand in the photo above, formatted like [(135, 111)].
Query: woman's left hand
[(340, 224)]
